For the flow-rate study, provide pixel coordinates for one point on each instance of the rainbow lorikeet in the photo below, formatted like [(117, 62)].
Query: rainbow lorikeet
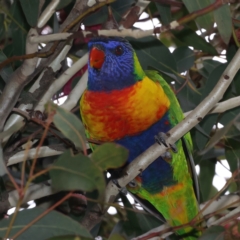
[(126, 105)]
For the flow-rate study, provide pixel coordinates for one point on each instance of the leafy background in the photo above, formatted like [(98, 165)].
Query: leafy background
[(200, 51)]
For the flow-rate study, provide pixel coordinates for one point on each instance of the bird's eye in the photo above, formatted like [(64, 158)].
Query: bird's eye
[(119, 50)]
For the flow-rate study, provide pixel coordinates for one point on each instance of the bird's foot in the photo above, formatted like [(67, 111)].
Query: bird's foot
[(161, 137)]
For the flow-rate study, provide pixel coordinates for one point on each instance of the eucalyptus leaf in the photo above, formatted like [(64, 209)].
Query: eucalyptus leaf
[(207, 172), (51, 225), (151, 52), (205, 21), (19, 28), (233, 153), (70, 126), (165, 13), (213, 233), (76, 172), (116, 237), (30, 9), (70, 237), (109, 155), (184, 58), (188, 37), (223, 19)]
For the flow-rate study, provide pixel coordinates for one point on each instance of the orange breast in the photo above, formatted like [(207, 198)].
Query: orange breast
[(110, 116)]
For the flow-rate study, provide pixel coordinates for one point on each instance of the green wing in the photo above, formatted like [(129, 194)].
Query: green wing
[(176, 116), (175, 111)]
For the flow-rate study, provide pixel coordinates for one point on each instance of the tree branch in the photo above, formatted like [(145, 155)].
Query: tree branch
[(133, 14), (124, 32), (47, 13), (17, 81), (43, 152), (61, 81), (16, 119), (76, 92), (33, 192)]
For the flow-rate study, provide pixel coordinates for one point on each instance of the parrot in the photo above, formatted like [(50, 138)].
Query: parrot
[(135, 108)]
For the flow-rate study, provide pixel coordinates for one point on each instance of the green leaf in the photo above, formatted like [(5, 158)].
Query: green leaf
[(116, 237), (212, 80), (220, 133), (70, 126), (184, 58), (207, 172), (30, 9), (209, 65), (19, 29), (70, 237), (236, 83), (109, 155), (223, 19), (63, 3), (206, 21), (7, 70), (76, 172), (213, 233), (165, 13), (136, 223), (100, 16), (51, 225), (233, 153), (189, 38), (206, 125), (151, 52)]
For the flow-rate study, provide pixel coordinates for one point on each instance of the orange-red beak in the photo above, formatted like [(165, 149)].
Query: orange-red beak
[(97, 57)]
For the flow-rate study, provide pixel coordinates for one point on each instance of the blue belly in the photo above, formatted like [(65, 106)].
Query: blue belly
[(159, 173)]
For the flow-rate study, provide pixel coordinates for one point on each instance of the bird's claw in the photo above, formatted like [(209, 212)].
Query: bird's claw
[(115, 181), (173, 147), (161, 137)]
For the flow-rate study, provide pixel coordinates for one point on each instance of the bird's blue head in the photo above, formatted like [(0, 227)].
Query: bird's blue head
[(112, 64)]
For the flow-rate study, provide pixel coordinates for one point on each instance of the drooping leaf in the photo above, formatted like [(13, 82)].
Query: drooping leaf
[(136, 223), (165, 13), (51, 225), (109, 155), (184, 58), (233, 153), (223, 19), (116, 237), (207, 172), (209, 65), (206, 21), (70, 126), (213, 233), (70, 237), (189, 38), (76, 172), (212, 80), (220, 133), (19, 28), (30, 9), (206, 125), (100, 16), (63, 4), (151, 52)]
